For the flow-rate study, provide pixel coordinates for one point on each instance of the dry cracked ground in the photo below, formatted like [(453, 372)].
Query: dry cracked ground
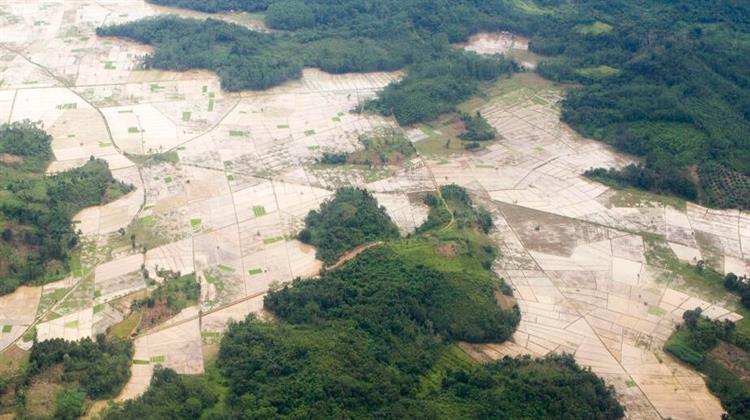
[(240, 174)]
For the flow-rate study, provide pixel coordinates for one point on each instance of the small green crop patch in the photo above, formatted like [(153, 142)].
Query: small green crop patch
[(237, 133), (98, 308), (230, 177), (336, 119), (259, 211), (104, 144), (309, 132), (71, 105), (630, 383), (204, 89), (97, 294), (7, 329), (72, 324), (210, 105), (168, 179), (186, 115), (133, 130), (158, 359), (195, 222), (226, 268), (140, 362), (656, 311), (282, 126), (255, 271), (268, 241), (212, 94), (108, 65)]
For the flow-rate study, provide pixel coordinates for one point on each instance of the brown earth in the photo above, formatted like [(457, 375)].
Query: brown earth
[(40, 397), (155, 315), (734, 359), (10, 160)]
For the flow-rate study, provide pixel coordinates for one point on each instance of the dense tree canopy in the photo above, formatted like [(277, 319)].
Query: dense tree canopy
[(351, 218), (100, 367)]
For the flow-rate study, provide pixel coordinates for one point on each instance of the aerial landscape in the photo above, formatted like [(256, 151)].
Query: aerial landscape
[(513, 209)]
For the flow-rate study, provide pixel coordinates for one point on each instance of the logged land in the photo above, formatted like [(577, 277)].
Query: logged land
[(224, 181)]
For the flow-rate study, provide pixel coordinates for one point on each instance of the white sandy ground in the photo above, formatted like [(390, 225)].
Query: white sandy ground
[(247, 177)]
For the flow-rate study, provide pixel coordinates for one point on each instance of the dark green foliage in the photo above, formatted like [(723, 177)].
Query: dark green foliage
[(553, 387), (177, 292), (663, 80), (466, 215), (739, 286), (477, 128), (28, 142), (36, 210), (436, 86), (375, 278), (244, 59), (290, 15), (673, 180), (332, 158), (100, 367), (214, 6), (381, 146), (337, 37), (69, 404), (438, 216), (171, 396), (723, 187), (351, 218)]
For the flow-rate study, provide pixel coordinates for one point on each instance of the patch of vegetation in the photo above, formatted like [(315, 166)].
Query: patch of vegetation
[(36, 234), (739, 286), (174, 294), (351, 218), (382, 146), (75, 372), (676, 181), (259, 211), (717, 351), (454, 206), (155, 158), (723, 187), (477, 128), (125, 328)]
